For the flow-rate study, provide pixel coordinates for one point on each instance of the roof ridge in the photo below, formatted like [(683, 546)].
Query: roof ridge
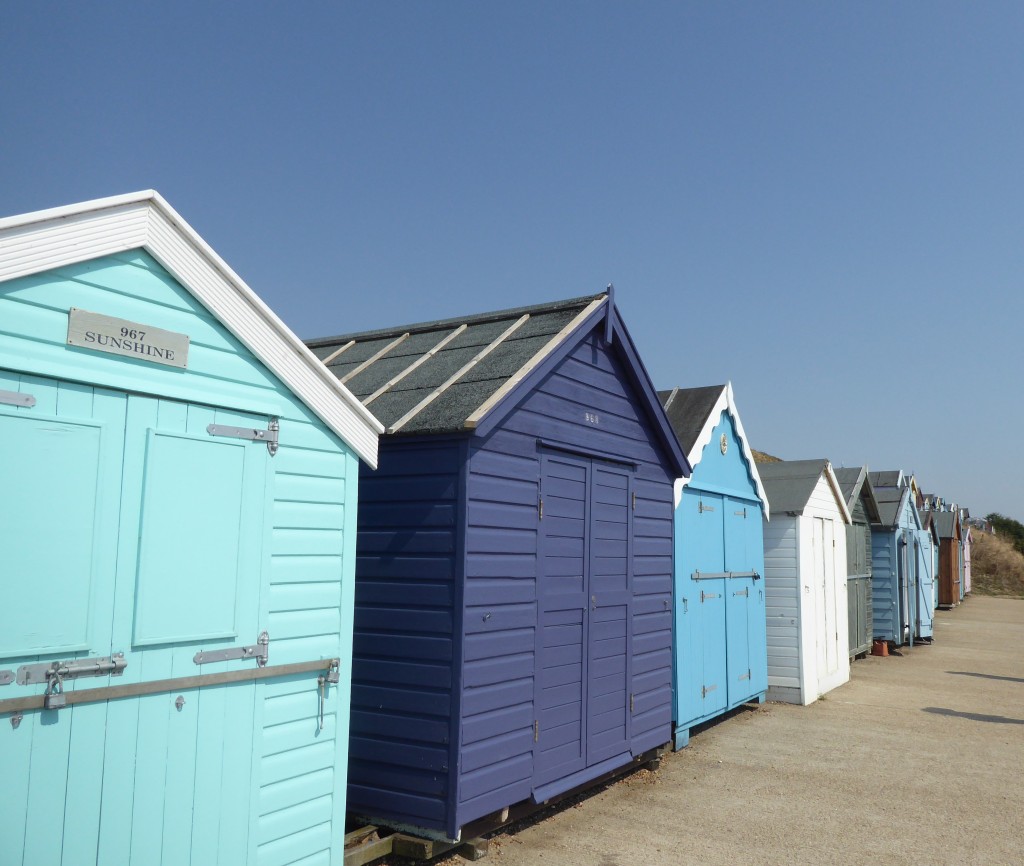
[(455, 321)]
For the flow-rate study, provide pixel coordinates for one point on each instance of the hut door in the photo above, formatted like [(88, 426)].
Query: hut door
[(585, 594), (825, 595), (746, 623), (130, 534)]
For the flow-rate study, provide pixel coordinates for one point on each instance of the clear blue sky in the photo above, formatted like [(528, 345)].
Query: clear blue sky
[(822, 202)]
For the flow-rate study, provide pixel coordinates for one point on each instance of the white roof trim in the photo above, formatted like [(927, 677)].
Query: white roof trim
[(837, 491), (41, 241), (726, 403)]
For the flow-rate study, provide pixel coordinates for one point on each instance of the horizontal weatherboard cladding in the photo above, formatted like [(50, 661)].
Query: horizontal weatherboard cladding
[(273, 791), (403, 671), (448, 660)]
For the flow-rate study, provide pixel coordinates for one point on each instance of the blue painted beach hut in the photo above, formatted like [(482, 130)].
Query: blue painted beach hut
[(860, 500), (513, 635), (720, 644), (177, 551), (899, 614)]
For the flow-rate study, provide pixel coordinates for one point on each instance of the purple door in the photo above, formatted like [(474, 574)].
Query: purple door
[(585, 607)]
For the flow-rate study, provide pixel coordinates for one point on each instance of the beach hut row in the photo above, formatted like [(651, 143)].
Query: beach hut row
[(429, 576)]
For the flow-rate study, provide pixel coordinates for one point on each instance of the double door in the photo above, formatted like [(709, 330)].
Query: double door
[(585, 599), (129, 544), (720, 641)]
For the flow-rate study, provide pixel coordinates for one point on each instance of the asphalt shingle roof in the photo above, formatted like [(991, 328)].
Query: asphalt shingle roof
[(790, 483), (459, 363), (688, 410)]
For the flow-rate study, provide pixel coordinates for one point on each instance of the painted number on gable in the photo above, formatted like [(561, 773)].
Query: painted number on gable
[(592, 417)]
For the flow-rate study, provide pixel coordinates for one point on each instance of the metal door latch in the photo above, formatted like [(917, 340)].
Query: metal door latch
[(259, 651), (45, 672), (54, 674), (6, 678)]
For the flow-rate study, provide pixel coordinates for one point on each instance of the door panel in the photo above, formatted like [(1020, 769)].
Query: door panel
[(562, 636), (194, 485), (831, 622), (741, 599), (48, 586), (610, 614), (141, 498)]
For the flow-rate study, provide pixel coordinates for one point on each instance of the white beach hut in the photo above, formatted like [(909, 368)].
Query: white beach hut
[(805, 580)]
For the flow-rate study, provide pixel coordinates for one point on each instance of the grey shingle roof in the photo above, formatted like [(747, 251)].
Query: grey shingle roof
[(890, 503), (885, 479), (790, 483), (688, 410), (465, 360), (855, 481), (945, 524)]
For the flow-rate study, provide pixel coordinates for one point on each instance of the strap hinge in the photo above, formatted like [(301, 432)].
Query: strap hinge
[(254, 434)]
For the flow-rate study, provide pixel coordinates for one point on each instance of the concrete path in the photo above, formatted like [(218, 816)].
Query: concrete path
[(919, 759)]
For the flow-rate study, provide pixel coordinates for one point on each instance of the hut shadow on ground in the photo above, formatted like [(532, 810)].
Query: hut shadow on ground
[(977, 717), (986, 676)]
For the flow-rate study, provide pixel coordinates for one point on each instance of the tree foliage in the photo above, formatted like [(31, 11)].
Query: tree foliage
[(1010, 529)]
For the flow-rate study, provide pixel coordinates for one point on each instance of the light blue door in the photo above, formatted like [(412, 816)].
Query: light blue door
[(925, 584), (746, 623), (700, 663), (126, 528)]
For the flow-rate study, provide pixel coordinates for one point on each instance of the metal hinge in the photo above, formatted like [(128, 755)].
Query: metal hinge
[(706, 595), (632, 703), (540, 508), (259, 651), (6, 678), (742, 513), (254, 434), (705, 689), (536, 730), (742, 592), (745, 676), (634, 500), (13, 398), (701, 508)]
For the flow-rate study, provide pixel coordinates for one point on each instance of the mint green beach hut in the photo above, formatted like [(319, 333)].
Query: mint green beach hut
[(177, 547)]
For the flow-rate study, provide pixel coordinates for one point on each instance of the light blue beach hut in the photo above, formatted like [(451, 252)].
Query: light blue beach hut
[(901, 608), (721, 658), (177, 548)]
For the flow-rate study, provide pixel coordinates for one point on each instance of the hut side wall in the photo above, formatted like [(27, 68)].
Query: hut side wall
[(782, 600), (403, 689), (586, 403), (885, 605), (273, 791)]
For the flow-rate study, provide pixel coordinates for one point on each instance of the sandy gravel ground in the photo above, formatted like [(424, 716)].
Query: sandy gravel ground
[(919, 759)]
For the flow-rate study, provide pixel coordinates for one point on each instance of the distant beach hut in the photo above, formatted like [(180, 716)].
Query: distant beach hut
[(896, 589), (950, 532), (805, 580), (863, 508)]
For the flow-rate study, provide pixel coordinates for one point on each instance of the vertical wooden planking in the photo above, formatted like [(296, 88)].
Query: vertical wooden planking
[(49, 730), (153, 710), (89, 721)]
